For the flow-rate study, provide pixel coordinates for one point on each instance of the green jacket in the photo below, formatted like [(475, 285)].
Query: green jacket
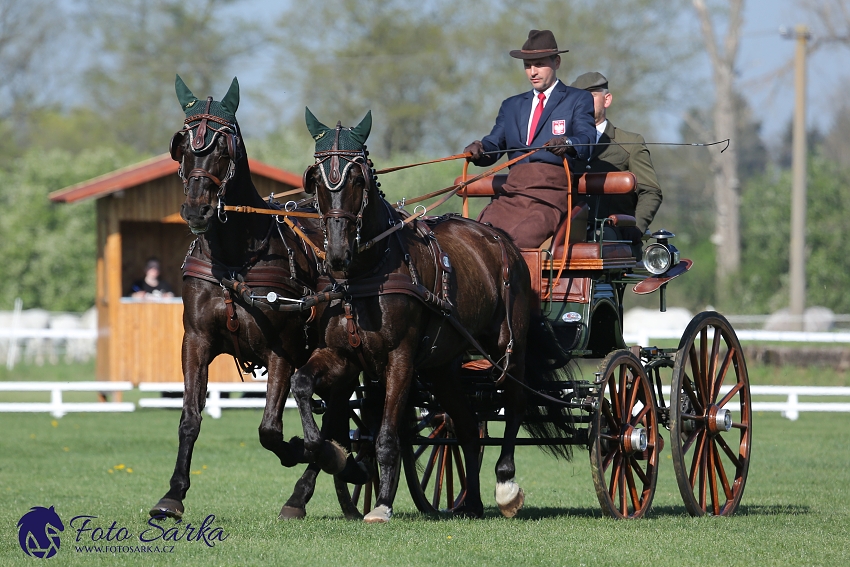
[(631, 156)]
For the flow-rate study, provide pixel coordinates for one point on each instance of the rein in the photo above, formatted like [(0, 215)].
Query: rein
[(452, 191), (400, 167)]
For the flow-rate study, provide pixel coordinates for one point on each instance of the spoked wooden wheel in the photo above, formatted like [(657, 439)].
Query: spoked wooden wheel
[(436, 474), (710, 415), (625, 441)]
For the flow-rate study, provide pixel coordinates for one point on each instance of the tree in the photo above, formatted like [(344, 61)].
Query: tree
[(28, 31), (727, 238), (143, 44), (836, 145), (48, 249), (434, 77), (764, 276), (832, 22)]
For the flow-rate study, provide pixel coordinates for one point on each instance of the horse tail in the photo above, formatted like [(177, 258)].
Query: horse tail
[(545, 418)]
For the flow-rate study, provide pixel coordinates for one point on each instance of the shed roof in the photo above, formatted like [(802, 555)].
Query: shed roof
[(148, 170)]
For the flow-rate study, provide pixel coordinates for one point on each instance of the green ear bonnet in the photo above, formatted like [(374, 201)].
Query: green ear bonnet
[(205, 120), (336, 145)]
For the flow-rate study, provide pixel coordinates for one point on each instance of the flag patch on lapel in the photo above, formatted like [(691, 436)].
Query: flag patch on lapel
[(559, 127)]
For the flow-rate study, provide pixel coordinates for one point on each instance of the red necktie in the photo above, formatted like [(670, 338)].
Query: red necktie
[(536, 118)]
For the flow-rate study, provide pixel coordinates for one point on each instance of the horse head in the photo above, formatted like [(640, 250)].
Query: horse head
[(341, 179), (209, 148)]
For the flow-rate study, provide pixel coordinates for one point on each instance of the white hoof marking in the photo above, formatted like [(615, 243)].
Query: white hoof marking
[(380, 515), (510, 498)]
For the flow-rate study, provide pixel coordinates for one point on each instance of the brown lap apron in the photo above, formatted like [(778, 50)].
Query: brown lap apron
[(533, 202)]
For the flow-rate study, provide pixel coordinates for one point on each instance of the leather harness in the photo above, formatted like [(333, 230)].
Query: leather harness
[(438, 301), (237, 282)]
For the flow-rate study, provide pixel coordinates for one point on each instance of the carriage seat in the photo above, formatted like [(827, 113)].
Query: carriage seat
[(610, 183), (581, 255)]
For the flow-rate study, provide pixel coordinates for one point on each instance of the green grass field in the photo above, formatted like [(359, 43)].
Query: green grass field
[(795, 510)]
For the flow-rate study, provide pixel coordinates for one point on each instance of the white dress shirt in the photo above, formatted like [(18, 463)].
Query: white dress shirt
[(600, 129)]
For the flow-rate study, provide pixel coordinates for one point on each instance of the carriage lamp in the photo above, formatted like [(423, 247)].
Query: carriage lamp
[(660, 256)]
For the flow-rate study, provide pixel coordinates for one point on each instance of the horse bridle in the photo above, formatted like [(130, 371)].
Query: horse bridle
[(334, 179), (230, 131)]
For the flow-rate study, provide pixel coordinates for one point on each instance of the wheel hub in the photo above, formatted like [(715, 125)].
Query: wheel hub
[(719, 419), (633, 440)]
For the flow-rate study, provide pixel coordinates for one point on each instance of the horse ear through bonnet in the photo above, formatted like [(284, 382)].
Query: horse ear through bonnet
[(206, 120), (337, 145)]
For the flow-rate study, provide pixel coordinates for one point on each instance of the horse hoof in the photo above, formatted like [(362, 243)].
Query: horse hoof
[(167, 508), (510, 498), (292, 513), (354, 472), (380, 515), (333, 457)]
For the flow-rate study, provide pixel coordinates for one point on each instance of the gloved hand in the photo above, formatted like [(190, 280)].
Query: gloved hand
[(476, 148), (562, 145)]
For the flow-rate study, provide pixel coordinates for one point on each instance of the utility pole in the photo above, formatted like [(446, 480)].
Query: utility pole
[(797, 258)]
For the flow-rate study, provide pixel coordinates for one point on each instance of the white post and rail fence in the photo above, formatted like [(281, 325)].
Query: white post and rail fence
[(789, 400)]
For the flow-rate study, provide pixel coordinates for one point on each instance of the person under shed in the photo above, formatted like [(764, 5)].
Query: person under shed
[(619, 151), (534, 199), (151, 286)]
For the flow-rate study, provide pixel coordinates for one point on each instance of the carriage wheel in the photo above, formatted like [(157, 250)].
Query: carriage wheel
[(436, 474), (710, 415), (625, 440)]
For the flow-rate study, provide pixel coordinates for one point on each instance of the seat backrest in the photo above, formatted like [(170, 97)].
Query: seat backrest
[(578, 225), (611, 183)]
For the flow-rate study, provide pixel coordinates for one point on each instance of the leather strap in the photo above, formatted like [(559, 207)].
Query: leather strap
[(351, 327), (257, 276)]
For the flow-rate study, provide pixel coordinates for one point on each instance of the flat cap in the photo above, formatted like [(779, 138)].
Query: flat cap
[(592, 81)]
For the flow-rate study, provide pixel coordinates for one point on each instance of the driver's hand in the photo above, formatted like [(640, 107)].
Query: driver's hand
[(475, 151), (560, 146)]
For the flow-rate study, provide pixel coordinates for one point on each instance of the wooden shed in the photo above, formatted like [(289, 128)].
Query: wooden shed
[(137, 218)]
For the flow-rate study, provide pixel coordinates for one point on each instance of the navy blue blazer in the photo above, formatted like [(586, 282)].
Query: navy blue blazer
[(568, 112)]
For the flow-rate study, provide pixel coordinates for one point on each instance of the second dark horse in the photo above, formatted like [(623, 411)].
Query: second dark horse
[(412, 301)]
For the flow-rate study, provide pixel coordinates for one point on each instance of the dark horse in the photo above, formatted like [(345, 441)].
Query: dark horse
[(415, 299), (233, 257)]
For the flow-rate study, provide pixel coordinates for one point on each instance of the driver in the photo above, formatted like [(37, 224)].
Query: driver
[(553, 114)]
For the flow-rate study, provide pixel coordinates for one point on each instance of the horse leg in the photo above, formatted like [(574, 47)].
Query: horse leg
[(398, 377), (195, 373), (509, 496), (296, 507), (336, 429), (271, 426), (329, 454), (453, 401)]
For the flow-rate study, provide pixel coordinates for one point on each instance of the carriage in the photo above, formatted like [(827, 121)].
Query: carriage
[(253, 291), (618, 413)]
